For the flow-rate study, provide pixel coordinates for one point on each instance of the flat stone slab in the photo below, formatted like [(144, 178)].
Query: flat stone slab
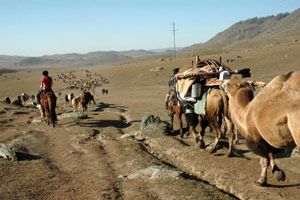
[(154, 172), (78, 115)]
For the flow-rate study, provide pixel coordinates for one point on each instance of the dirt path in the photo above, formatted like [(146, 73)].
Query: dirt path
[(88, 159)]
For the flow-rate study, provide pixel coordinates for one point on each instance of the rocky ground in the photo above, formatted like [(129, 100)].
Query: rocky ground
[(106, 156)]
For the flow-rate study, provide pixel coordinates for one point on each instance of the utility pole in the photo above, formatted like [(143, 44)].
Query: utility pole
[(174, 39)]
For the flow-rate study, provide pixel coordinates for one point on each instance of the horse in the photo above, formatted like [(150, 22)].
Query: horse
[(174, 107), (48, 104), (84, 99)]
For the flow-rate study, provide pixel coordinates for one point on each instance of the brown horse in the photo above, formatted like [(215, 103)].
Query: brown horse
[(174, 107), (48, 103)]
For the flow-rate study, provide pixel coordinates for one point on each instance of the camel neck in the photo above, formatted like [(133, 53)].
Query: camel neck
[(239, 104)]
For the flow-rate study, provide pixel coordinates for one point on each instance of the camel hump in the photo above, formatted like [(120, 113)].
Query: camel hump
[(284, 82)]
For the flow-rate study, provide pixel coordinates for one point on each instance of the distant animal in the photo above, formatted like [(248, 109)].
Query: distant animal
[(270, 120), (24, 97), (69, 97), (66, 99), (84, 99), (32, 97), (104, 91), (48, 104), (216, 114)]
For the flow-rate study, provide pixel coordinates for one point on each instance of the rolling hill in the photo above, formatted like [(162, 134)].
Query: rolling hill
[(71, 59), (256, 28)]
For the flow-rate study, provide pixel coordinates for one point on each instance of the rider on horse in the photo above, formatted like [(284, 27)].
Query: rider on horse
[(46, 86), (171, 92)]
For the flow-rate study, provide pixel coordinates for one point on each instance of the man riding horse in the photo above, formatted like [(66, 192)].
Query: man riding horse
[(171, 94), (46, 86)]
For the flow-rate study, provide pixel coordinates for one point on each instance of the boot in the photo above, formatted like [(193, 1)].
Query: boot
[(166, 106)]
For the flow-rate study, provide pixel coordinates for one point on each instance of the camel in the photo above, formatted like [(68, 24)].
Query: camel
[(269, 121), (216, 111)]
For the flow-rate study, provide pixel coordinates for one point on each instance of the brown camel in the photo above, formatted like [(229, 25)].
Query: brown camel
[(216, 111), (270, 121)]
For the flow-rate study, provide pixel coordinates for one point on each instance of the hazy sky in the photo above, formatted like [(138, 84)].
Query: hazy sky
[(39, 27)]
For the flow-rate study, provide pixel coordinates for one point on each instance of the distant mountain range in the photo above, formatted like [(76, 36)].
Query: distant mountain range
[(71, 59)]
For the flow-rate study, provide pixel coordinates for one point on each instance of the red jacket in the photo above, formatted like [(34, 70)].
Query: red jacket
[(46, 83)]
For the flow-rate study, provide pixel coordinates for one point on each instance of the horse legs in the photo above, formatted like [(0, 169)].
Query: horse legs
[(179, 118), (172, 122), (278, 173)]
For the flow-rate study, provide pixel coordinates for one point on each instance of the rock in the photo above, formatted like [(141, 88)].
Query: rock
[(17, 102), (6, 100), (37, 121), (154, 172), (150, 123), (73, 115), (7, 152), (157, 69), (126, 135)]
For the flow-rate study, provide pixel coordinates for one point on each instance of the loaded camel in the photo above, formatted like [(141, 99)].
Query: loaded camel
[(216, 112), (269, 121)]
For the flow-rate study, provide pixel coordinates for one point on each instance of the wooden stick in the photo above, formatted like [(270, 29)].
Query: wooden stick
[(203, 75)]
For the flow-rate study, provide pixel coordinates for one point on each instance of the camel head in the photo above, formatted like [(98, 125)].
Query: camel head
[(237, 88), (234, 84)]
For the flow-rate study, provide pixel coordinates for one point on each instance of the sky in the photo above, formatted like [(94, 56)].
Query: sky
[(46, 27)]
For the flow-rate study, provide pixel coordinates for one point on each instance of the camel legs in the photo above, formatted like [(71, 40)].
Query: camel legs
[(230, 136), (202, 125), (264, 163), (278, 173), (215, 125)]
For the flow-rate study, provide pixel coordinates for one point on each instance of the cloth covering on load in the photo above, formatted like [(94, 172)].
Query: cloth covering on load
[(183, 85), (199, 107)]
